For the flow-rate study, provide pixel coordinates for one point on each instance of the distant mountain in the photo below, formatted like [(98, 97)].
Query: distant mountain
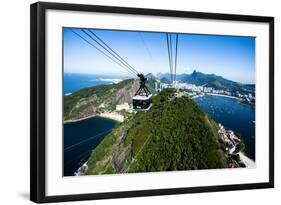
[(209, 80), (212, 80), (150, 76), (151, 80), (163, 75), (165, 80)]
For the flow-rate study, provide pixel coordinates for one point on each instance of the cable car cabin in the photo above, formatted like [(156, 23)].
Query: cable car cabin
[(142, 102)]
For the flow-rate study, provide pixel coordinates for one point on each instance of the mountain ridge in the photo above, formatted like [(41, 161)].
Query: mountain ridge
[(181, 77), (209, 80)]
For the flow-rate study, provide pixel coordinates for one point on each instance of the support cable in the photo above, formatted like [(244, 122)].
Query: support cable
[(176, 56), (108, 47), (171, 52), (103, 53), (112, 54), (86, 140), (169, 55)]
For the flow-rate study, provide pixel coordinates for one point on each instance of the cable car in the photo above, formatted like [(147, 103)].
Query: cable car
[(142, 101)]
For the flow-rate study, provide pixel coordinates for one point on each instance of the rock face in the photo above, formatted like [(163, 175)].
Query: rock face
[(175, 134), (125, 94), (91, 101), (86, 108)]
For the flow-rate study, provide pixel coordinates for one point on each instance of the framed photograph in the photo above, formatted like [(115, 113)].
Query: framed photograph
[(129, 102)]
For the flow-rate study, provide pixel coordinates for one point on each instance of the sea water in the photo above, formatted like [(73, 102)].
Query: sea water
[(233, 115)]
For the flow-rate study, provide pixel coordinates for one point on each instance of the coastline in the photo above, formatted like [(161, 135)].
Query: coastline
[(246, 160), (81, 171), (109, 115), (228, 96), (80, 119), (112, 115), (249, 163)]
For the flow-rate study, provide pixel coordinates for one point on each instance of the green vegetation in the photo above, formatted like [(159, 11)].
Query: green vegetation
[(235, 157), (175, 134), (104, 158), (88, 101)]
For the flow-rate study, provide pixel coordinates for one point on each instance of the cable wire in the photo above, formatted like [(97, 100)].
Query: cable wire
[(103, 53), (171, 52), (86, 140), (114, 56), (176, 56), (168, 45), (146, 47), (105, 44)]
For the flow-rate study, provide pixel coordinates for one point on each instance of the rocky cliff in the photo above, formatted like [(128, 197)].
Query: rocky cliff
[(91, 101)]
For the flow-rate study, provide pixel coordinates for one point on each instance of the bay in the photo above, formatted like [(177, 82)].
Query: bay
[(233, 115), (80, 138)]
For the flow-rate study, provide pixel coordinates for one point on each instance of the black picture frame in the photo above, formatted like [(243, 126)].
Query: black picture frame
[(38, 100)]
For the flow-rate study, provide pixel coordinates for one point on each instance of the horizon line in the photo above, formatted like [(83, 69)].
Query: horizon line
[(155, 74)]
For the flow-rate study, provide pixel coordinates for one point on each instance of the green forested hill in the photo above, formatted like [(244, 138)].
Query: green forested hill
[(93, 100), (175, 134)]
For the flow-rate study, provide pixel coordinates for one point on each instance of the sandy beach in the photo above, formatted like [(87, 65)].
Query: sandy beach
[(112, 115), (77, 120)]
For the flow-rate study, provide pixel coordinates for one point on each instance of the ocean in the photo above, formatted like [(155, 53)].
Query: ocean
[(80, 138), (74, 82), (233, 115)]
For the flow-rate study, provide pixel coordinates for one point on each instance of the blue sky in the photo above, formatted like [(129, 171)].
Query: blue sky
[(232, 57)]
